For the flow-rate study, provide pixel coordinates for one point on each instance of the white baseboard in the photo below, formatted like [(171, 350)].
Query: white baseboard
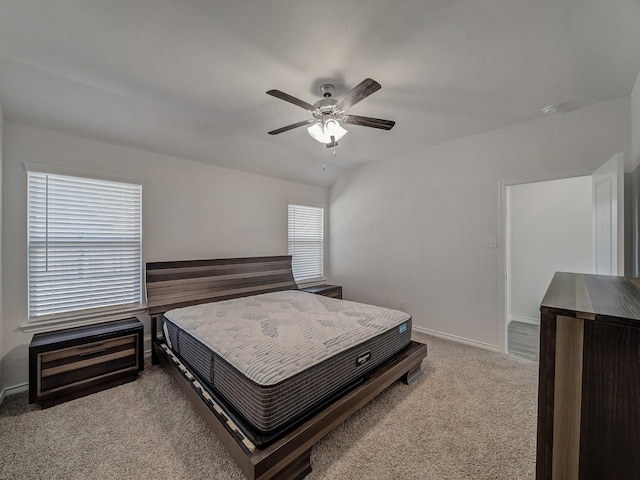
[(24, 387), (517, 318), (455, 338)]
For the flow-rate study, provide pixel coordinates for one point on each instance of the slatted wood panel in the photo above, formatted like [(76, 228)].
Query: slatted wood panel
[(190, 282)]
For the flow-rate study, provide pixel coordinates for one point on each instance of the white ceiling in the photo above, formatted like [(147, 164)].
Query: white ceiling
[(188, 77)]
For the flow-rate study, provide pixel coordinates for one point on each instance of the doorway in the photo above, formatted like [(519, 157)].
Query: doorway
[(548, 216), (549, 227)]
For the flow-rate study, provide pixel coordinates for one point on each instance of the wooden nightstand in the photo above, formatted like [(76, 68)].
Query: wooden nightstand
[(333, 291), (78, 361)]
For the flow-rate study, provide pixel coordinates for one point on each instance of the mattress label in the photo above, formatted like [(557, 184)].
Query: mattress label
[(362, 359), (402, 328)]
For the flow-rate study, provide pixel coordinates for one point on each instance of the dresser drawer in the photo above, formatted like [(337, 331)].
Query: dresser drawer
[(74, 362)]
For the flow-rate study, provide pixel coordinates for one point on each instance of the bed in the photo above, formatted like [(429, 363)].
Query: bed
[(272, 369)]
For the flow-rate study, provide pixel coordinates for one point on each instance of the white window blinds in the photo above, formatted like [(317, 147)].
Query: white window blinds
[(84, 244), (306, 242)]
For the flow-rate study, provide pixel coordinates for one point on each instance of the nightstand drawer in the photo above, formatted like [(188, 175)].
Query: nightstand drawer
[(74, 365), (82, 352), (77, 361)]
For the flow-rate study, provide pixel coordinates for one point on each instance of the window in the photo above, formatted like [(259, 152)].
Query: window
[(84, 245), (306, 242)]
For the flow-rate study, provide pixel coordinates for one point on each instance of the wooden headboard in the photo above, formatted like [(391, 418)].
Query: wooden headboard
[(190, 282)]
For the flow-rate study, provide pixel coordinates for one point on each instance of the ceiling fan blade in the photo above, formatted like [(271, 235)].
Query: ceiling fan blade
[(357, 93), (290, 127), (369, 122), (288, 98)]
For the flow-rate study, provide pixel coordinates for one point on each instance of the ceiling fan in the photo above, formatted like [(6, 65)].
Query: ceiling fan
[(329, 114)]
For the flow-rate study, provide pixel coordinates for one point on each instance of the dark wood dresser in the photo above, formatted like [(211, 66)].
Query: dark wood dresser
[(589, 381), (77, 361), (334, 291)]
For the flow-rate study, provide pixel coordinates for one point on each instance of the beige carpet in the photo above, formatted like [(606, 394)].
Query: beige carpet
[(471, 416)]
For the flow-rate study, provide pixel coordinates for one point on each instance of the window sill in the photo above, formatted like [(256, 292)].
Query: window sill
[(52, 325)]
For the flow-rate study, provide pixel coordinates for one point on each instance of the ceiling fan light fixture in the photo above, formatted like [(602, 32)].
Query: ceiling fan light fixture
[(329, 115), (322, 132)]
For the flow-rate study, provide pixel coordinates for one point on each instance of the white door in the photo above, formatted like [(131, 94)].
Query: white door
[(608, 217)]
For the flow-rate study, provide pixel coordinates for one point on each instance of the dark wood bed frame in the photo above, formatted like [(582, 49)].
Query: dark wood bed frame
[(182, 283)]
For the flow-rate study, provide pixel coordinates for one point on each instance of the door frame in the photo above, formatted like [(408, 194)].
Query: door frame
[(617, 220), (503, 324)]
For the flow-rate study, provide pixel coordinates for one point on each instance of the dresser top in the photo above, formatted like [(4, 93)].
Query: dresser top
[(594, 295)]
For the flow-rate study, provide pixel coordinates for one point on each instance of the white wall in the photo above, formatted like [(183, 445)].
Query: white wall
[(1, 239), (635, 176), (411, 229), (191, 210), (549, 230)]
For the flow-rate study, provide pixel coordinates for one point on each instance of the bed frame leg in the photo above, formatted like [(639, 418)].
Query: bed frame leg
[(412, 375), (296, 470), (154, 339), (154, 356)]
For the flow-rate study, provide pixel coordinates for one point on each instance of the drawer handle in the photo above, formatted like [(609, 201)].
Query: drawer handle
[(91, 353)]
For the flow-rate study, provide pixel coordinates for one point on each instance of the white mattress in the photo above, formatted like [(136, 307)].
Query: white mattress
[(274, 336)]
